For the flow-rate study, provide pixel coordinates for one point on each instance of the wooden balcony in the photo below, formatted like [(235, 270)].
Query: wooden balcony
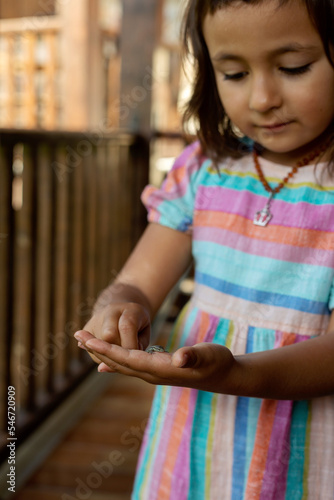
[(70, 213), (97, 458)]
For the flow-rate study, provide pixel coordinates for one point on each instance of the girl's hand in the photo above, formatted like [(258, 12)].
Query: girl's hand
[(124, 324), (123, 310), (202, 366)]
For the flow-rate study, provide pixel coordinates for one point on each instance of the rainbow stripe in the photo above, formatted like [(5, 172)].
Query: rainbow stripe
[(256, 289)]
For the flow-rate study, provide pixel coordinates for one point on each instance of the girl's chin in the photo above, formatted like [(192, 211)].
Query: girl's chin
[(284, 146)]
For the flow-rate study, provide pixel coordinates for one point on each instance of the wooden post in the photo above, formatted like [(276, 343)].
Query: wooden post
[(113, 180), (78, 240), (23, 360), (50, 118), (6, 282), (30, 97), (11, 85), (103, 217), (138, 37), (61, 265), (92, 216), (43, 277), (81, 64)]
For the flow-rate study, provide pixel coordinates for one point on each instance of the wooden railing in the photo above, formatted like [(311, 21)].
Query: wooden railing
[(70, 213)]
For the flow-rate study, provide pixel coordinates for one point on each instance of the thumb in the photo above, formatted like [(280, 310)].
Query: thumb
[(188, 357), (134, 328), (196, 356)]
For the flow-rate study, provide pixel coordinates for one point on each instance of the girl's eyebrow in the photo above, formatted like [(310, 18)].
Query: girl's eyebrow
[(292, 47)]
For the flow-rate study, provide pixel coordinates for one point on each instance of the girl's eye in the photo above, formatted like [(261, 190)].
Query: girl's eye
[(300, 70), (234, 76)]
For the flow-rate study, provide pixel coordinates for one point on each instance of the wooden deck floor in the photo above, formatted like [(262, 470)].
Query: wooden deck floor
[(97, 459)]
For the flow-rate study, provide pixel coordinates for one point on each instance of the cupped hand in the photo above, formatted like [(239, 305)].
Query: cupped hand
[(124, 324), (202, 366)]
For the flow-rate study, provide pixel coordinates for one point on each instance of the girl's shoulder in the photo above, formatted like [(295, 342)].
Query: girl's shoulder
[(191, 157), (188, 168), (194, 170), (194, 163)]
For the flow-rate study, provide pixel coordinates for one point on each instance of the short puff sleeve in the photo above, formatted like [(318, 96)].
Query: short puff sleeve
[(172, 205), (331, 298)]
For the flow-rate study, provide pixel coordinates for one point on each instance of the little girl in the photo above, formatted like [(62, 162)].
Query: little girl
[(246, 404)]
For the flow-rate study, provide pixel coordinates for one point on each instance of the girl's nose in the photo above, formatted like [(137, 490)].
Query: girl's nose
[(264, 94)]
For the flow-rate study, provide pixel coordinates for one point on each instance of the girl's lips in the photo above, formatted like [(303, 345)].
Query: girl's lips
[(275, 126)]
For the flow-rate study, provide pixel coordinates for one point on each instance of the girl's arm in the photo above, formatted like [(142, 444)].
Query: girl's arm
[(123, 311), (300, 371)]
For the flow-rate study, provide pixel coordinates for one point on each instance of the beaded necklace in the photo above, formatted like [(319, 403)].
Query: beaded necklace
[(264, 216)]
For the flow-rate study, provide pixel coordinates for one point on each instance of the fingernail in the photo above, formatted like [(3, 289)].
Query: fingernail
[(77, 336), (81, 346), (102, 369), (185, 361)]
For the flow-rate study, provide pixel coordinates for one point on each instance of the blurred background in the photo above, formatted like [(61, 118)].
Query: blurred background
[(91, 99), (91, 65)]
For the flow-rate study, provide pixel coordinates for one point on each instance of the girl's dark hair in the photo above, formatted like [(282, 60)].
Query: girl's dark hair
[(215, 131)]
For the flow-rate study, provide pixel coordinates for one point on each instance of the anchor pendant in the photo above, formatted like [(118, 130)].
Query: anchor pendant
[(264, 216)]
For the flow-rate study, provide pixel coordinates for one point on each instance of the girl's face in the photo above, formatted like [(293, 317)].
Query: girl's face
[(273, 77)]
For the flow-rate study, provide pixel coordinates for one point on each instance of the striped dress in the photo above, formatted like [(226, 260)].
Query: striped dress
[(255, 289)]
